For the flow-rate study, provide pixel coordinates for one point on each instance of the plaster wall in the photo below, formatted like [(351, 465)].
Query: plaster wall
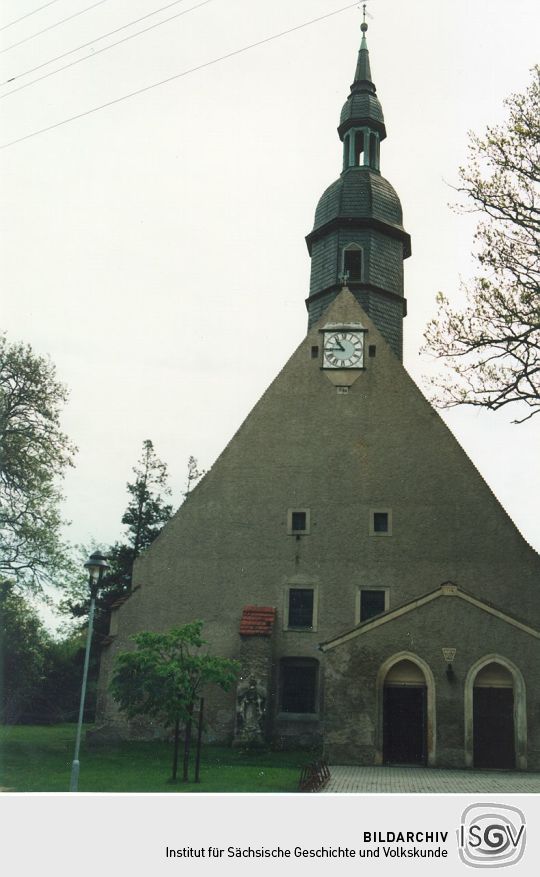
[(305, 445)]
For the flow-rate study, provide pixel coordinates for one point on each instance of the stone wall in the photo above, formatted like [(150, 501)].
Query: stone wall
[(353, 705)]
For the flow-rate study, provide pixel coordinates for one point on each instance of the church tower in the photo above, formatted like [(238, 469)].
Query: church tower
[(358, 237)]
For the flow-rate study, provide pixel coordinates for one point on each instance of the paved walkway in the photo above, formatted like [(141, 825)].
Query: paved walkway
[(427, 779)]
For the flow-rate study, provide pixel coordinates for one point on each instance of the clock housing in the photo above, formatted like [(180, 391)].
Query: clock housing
[(343, 346)]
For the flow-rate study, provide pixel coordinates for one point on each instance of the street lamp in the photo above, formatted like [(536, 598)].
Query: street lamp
[(96, 565)]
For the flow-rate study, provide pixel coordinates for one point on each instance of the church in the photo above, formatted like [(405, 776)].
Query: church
[(343, 547)]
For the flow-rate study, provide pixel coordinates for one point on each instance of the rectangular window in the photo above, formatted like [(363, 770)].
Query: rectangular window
[(301, 608), (298, 689), (352, 263), (380, 522), (298, 522), (372, 603)]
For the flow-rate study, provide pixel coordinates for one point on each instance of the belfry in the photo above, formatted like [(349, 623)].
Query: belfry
[(358, 237), (343, 548)]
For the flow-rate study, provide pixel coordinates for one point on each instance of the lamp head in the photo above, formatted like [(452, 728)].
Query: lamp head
[(96, 565)]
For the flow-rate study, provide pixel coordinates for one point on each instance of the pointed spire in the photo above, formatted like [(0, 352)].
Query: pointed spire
[(362, 77)]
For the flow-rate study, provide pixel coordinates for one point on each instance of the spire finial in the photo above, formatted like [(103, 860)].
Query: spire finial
[(363, 26), (363, 73)]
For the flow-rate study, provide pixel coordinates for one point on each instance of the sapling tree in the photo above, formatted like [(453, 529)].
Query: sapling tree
[(163, 677)]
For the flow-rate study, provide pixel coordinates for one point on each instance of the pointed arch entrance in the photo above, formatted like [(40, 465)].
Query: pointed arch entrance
[(495, 715), (406, 695)]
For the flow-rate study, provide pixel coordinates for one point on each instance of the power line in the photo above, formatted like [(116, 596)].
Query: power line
[(146, 88), (106, 48), (28, 14), (90, 42), (52, 26)]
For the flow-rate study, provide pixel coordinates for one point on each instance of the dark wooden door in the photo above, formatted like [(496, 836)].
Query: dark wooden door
[(493, 726), (404, 724)]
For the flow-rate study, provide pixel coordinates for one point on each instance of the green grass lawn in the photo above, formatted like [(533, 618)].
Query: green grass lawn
[(38, 759)]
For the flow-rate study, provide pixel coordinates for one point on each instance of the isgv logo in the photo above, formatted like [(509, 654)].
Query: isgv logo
[(491, 835)]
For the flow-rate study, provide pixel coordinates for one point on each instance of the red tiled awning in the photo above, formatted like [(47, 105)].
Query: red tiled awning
[(257, 621)]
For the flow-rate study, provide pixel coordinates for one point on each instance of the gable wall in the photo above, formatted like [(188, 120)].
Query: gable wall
[(305, 446)]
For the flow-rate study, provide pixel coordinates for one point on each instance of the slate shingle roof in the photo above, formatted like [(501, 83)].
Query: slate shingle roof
[(359, 192), (362, 106)]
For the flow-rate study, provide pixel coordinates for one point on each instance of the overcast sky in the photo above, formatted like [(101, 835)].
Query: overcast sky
[(155, 248)]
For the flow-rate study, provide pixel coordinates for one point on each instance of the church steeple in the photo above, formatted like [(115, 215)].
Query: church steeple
[(363, 72), (362, 122), (358, 237)]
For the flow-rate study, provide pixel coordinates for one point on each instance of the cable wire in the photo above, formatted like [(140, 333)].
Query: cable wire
[(28, 14), (146, 88), (105, 48), (52, 26), (90, 42)]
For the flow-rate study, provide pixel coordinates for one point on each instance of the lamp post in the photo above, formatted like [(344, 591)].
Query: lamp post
[(96, 565)]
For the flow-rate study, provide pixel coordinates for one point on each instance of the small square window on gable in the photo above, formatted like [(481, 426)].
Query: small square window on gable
[(298, 522), (380, 522)]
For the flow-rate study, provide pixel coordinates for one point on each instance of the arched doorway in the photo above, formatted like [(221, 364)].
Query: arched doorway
[(405, 714), (493, 717)]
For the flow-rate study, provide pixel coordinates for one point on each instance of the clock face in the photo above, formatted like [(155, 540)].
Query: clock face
[(343, 349)]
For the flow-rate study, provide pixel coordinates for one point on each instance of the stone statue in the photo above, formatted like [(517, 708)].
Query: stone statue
[(250, 711)]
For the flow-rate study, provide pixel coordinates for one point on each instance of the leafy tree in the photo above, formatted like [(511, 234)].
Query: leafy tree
[(492, 345), (40, 677), (163, 677), (23, 643), (34, 454), (58, 696)]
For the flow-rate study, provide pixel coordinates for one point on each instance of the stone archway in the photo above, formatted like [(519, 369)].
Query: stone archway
[(495, 683), (406, 670)]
